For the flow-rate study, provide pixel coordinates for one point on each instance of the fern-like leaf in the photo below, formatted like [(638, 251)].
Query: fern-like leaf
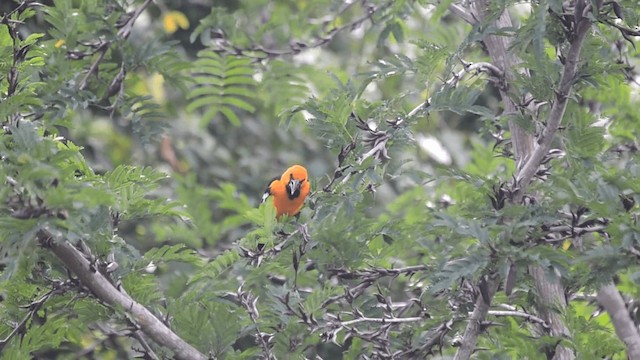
[(146, 116), (216, 267), (223, 85), (177, 252)]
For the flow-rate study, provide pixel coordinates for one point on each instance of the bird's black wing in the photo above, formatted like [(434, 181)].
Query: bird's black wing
[(267, 192)]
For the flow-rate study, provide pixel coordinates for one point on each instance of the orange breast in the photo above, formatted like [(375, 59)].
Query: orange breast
[(281, 201)]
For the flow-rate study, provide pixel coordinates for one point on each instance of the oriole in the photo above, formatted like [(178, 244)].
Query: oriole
[(289, 191)]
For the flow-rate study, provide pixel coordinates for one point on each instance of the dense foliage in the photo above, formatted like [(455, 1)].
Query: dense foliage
[(474, 172)]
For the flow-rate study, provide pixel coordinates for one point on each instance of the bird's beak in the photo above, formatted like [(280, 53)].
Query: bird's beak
[(294, 185)]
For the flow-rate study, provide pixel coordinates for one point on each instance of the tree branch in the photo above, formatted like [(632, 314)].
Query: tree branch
[(382, 320), (474, 326), (551, 302), (249, 302), (102, 48), (610, 299), (33, 307), (528, 157), (102, 288), (125, 31), (526, 316), (551, 292), (522, 143), (463, 13), (528, 170), (259, 52), (479, 67)]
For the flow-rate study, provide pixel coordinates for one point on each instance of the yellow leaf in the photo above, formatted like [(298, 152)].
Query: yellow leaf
[(156, 87), (59, 44), (173, 20), (566, 244), (182, 20), (141, 85), (169, 23), (137, 85)]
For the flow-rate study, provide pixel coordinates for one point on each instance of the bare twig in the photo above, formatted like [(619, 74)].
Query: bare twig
[(382, 320), (102, 50), (148, 351), (125, 31), (379, 148), (623, 29), (522, 314), (376, 273), (435, 336), (259, 52), (249, 302)]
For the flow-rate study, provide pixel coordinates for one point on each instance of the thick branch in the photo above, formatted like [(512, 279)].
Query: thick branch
[(498, 46), (102, 288), (463, 13), (551, 293), (528, 170), (474, 327), (522, 143), (528, 157), (551, 302), (609, 298)]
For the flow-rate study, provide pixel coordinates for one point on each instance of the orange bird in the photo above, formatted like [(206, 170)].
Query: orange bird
[(289, 191)]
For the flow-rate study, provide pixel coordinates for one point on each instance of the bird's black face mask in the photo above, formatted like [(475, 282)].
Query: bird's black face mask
[(293, 188)]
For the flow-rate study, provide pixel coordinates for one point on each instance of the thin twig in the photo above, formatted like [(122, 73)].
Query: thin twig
[(485, 67), (123, 33), (382, 320), (464, 13), (249, 302), (147, 349), (102, 50), (622, 29), (259, 53), (376, 273), (379, 147), (526, 316), (34, 307)]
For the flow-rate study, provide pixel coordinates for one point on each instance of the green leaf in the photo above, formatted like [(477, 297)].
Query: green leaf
[(217, 266), (177, 252), (223, 84), (453, 271)]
